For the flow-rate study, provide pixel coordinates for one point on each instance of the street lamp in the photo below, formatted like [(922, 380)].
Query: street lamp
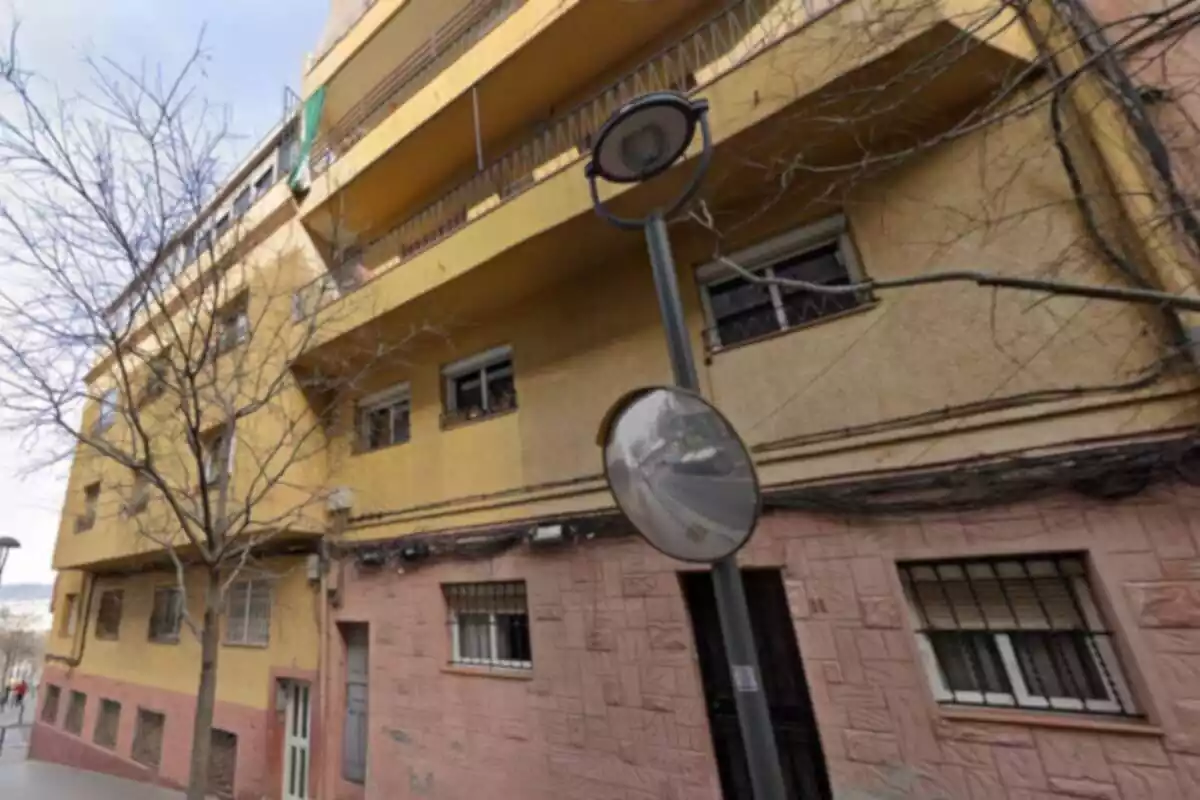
[(7, 543), (672, 504)]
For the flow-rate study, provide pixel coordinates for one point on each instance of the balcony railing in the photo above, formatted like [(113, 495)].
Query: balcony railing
[(711, 50), (445, 46)]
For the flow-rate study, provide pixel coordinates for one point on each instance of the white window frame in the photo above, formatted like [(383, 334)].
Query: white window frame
[(234, 315), (398, 396), (476, 363), (1103, 655), (211, 445), (761, 257), (492, 659), (251, 585)]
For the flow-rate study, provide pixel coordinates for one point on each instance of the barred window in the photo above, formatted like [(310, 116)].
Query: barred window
[(75, 708), (166, 614), (1016, 632), (148, 737), (50, 704), (108, 615), (248, 621), (108, 721), (489, 624)]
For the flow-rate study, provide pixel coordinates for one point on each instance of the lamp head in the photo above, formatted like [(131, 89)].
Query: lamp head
[(8, 543), (645, 137)]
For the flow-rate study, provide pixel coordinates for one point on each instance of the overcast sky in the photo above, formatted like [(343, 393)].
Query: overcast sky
[(256, 48)]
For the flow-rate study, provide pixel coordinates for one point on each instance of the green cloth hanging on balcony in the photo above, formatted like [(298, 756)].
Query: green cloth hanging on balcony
[(301, 178)]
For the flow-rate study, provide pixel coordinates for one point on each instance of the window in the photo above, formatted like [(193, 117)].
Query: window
[(139, 495), (108, 412), (159, 369), (739, 310), (217, 449), (383, 418), (1023, 632), (264, 182), (91, 501), (75, 708), (107, 724), (248, 618), (489, 624), (147, 738), (233, 325), (480, 386), (221, 226), (108, 615), (167, 614), (241, 203), (50, 704), (66, 626)]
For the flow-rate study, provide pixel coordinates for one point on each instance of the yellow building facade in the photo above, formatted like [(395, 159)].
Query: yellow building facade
[(460, 604)]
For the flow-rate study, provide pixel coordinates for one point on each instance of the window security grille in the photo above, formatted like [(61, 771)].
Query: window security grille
[(1016, 632), (489, 624)]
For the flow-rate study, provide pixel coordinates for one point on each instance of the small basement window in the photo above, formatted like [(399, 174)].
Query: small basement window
[(383, 418), (480, 386), (738, 310), (1015, 632)]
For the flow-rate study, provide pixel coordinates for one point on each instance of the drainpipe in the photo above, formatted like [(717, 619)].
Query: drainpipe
[(337, 526), (72, 661)]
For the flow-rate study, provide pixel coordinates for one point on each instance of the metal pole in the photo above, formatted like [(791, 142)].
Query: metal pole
[(478, 134), (754, 718)]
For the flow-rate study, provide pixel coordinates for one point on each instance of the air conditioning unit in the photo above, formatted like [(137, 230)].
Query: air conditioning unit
[(340, 499)]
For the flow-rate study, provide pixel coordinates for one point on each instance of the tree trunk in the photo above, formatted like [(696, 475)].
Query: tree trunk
[(206, 696)]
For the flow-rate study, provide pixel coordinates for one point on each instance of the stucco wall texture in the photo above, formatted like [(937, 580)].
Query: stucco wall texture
[(614, 708)]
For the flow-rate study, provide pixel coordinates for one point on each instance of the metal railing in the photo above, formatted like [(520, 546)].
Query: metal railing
[(708, 52), (443, 47)]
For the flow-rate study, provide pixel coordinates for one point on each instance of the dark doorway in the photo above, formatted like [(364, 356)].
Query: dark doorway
[(782, 678)]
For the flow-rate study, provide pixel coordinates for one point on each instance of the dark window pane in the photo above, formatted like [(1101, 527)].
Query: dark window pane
[(742, 310), (399, 416), (378, 423), (970, 662), (1059, 665), (502, 390), (824, 266), (512, 637), (468, 393)]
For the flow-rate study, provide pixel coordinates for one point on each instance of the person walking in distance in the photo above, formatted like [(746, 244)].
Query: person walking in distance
[(19, 693)]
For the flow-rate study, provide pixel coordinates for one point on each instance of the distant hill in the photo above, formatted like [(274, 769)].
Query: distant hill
[(12, 592)]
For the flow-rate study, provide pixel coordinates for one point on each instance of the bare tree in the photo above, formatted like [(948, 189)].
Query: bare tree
[(177, 339)]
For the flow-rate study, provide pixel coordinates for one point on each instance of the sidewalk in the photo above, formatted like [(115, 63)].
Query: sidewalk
[(38, 780)]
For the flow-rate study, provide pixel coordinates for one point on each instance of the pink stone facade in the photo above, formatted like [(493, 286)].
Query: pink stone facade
[(50, 742), (613, 708)]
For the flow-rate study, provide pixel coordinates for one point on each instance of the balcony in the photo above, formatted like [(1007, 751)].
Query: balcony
[(718, 60), (444, 46)]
